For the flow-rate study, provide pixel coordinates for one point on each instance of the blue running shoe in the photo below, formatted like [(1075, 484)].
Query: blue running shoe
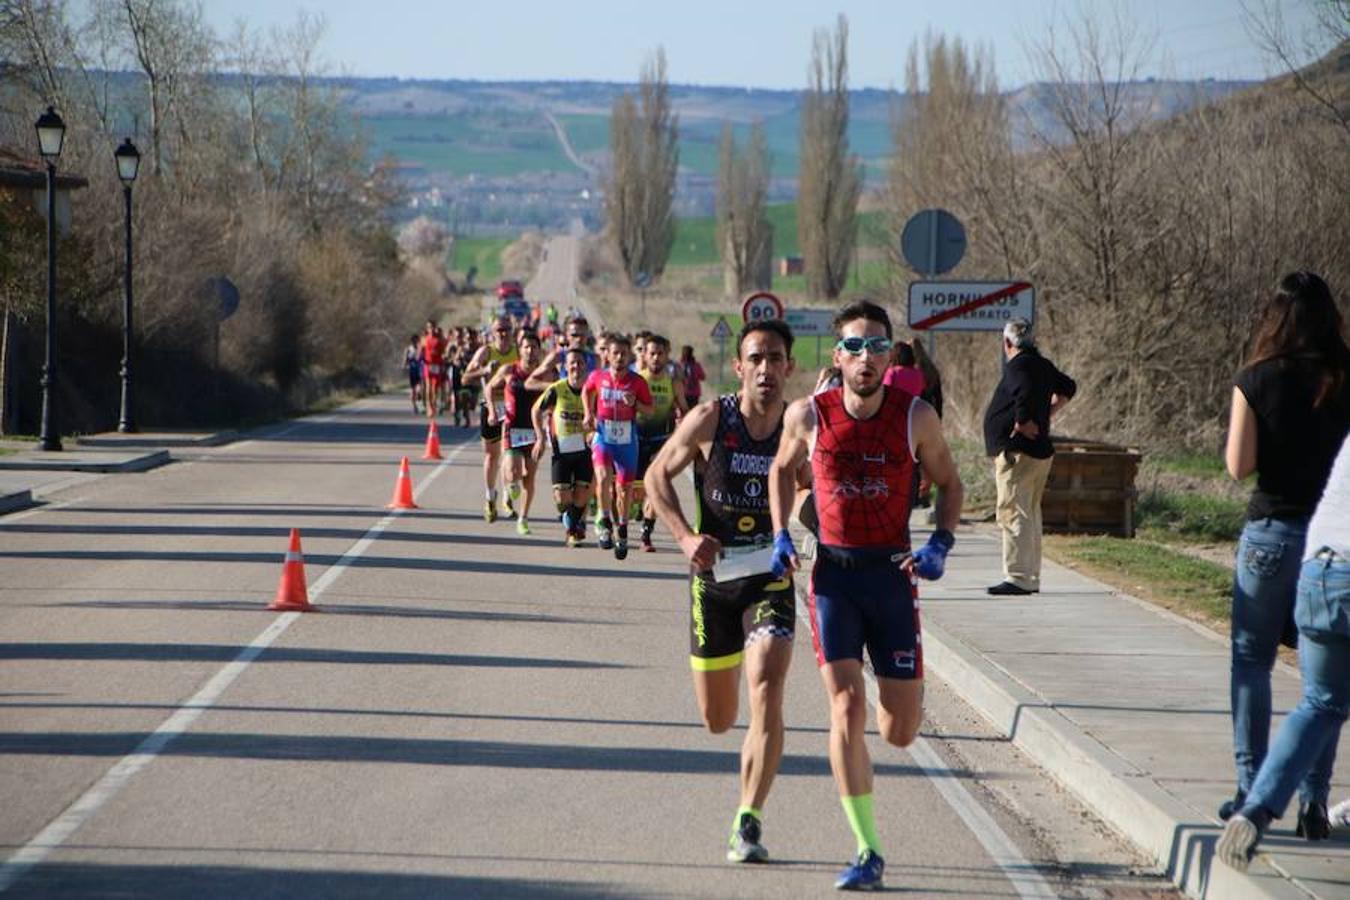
[(863, 875)]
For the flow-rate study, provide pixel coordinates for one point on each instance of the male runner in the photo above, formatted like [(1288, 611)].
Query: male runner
[(575, 337), (613, 398), (863, 440), (654, 428), (412, 362), (521, 449), (572, 467), (497, 352), (738, 616)]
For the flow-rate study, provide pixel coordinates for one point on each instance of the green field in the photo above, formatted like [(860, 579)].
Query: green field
[(485, 253), (700, 139), (696, 239), (482, 142)]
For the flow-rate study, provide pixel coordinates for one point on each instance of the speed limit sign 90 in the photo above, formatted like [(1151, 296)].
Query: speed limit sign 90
[(761, 305)]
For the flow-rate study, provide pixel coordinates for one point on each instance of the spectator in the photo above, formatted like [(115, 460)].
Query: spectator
[(1322, 611), (693, 376), (1017, 436), (932, 378), (904, 372), (1289, 416)]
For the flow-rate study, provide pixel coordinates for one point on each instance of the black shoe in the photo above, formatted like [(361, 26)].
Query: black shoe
[(621, 545), (1228, 807), (745, 846), (1007, 589), (1313, 824)]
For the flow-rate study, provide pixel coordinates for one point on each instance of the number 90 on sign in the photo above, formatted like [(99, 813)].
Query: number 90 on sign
[(760, 306)]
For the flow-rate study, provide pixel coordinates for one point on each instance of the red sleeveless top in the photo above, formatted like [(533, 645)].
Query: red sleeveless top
[(863, 471)]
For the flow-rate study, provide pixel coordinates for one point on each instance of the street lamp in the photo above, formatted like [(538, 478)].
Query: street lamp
[(51, 132), (128, 163)]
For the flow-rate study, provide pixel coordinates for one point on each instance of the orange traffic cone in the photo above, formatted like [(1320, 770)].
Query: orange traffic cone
[(433, 450), (403, 498), (292, 595)]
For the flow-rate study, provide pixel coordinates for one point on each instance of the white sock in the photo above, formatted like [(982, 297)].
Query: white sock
[(492, 495)]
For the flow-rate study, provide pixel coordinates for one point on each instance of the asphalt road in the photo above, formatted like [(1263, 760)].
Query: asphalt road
[(472, 713)]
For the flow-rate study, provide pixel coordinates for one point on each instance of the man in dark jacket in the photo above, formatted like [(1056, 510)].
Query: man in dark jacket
[(1017, 436)]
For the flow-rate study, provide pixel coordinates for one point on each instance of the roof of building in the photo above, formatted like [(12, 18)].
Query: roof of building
[(20, 171)]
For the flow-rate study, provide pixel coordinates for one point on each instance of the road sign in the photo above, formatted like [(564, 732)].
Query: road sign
[(933, 241), (721, 331), (969, 305), (643, 280), (761, 305), (810, 322)]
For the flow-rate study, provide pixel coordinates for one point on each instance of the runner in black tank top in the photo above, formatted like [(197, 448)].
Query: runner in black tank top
[(739, 614)]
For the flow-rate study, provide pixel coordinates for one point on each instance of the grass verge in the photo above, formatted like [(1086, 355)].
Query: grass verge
[(1192, 588)]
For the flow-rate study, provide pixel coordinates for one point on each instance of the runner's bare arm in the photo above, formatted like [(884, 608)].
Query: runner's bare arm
[(478, 367), (537, 413), (692, 436), (799, 423), (490, 393), (936, 458), (544, 373)]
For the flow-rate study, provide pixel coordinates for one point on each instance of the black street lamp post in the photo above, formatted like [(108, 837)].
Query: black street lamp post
[(128, 163), (51, 131)]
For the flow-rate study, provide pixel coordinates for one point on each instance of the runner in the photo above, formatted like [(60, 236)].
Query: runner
[(497, 352), (572, 468), (521, 448), (467, 395), (576, 335), (740, 613), (433, 364), (863, 440), (655, 427), (613, 397), (412, 362)]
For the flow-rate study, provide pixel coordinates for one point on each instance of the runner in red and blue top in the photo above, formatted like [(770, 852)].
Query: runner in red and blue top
[(863, 440), (613, 398), (433, 364)]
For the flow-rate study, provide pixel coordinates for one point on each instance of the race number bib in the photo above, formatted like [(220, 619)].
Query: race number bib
[(521, 437), (618, 432), (500, 407), (571, 443)]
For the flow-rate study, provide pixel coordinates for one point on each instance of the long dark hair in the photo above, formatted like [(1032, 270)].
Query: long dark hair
[(1302, 325)]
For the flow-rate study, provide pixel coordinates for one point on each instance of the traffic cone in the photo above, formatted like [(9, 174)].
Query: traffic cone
[(292, 595), (433, 450), (403, 498)]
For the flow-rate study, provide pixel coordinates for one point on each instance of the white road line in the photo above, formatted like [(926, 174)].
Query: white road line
[(59, 830), (1021, 873)]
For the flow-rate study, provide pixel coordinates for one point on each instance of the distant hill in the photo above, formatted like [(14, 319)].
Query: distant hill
[(465, 128)]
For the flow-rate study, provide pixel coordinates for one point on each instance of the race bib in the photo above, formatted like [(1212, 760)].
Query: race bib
[(433, 369), (742, 562), (618, 432), (500, 407), (571, 443), (521, 437)]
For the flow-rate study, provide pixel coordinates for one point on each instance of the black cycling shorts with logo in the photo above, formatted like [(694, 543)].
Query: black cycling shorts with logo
[(726, 618), (647, 450), (572, 468)]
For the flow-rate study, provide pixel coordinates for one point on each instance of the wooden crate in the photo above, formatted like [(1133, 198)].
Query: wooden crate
[(1091, 488)]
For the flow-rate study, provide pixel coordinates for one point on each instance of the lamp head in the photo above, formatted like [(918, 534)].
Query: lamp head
[(128, 161), (51, 131)]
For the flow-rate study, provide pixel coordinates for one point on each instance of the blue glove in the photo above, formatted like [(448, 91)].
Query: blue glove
[(783, 551), (931, 558)]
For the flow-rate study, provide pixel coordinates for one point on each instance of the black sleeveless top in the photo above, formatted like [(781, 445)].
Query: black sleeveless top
[(733, 487)]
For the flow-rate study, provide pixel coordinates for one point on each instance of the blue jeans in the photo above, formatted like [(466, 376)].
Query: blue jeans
[(1305, 747), (1265, 582)]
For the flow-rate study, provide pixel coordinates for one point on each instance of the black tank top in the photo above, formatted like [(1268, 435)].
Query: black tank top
[(733, 487)]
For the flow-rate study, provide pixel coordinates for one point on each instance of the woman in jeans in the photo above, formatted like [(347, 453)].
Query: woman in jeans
[(1289, 416), (1322, 611)]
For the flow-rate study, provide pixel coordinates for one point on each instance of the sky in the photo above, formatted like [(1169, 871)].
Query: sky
[(746, 43)]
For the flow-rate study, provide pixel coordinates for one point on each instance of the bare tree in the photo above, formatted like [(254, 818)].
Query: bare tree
[(830, 177), (640, 190), (171, 46), (1265, 22), (744, 232)]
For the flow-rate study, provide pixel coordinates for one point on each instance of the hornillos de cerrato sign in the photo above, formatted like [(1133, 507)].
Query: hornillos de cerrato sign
[(969, 305)]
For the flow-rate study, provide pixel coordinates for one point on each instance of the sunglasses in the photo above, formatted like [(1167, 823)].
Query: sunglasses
[(854, 346)]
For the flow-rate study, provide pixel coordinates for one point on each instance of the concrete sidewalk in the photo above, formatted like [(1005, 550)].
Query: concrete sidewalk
[(1127, 705)]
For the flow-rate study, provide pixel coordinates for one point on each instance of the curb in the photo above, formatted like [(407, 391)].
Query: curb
[(57, 463), (1123, 796), (14, 501)]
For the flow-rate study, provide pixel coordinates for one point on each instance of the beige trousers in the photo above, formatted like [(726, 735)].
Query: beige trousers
[(1021, 482)]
